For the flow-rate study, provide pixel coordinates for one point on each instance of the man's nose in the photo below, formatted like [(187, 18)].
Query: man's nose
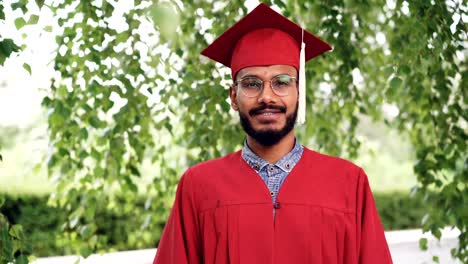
[(267, 95)]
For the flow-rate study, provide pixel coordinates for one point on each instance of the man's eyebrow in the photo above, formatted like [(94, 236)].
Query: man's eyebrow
[(249, 75)]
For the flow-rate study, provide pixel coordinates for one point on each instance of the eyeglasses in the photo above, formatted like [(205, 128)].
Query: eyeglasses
[(281, 85)]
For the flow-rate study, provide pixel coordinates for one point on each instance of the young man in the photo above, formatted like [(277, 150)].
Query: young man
[(274, 201)]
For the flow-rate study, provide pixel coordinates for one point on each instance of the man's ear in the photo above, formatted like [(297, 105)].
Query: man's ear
[(233, 96)]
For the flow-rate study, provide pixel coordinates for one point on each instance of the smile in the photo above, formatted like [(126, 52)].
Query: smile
[(268, 113)]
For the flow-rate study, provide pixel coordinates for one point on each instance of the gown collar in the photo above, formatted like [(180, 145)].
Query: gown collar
[(286, 163)]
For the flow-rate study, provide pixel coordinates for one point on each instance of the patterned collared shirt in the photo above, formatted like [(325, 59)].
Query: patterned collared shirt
[(273, 174)]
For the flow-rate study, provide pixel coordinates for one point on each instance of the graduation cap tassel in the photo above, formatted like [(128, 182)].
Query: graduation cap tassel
[(302, 84)]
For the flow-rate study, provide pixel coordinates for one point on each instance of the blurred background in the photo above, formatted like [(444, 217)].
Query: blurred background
[(104, 104)]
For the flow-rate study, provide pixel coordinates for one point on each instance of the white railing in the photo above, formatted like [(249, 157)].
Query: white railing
[(404, 247)]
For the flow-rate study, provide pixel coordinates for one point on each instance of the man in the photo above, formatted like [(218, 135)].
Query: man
[(274, 201)]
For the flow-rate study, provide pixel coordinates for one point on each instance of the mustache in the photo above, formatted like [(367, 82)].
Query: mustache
[(256, 110)]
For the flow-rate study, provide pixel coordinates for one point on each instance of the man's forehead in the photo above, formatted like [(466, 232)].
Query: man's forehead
[(270, 70)]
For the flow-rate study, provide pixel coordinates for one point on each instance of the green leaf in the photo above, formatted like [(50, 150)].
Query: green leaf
[(2, 14), (27, 68), (48, 28), (134, 170), (423, 243), (33, 19), (388, 70), (37, 168), (225, 106), (2, 58), (83, 133), (20, 22), (435, 259), (109, 9), (63, 152), (7, 46), (86, 232), (168, 126), (6, 248), (20, 4), (86, 251), (40, 3), (404, 70), (395, 82), (437, 233), (280, 4), (95, 154), (74, 221), (95, 122), (21, 259), (16, 231), (98, 172), (129, 183)]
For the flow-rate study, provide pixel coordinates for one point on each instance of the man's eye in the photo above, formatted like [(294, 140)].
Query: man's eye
[(282, 81), (251, 84)]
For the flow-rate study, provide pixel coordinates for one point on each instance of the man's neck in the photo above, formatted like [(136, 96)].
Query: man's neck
[(275, 152)]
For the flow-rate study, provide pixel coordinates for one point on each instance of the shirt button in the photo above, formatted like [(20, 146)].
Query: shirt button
[(271, 168), (272, 193), (255, 166), (288, 166)]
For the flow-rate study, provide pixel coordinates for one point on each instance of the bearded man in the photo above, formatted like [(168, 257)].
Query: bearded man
[(275, 201)]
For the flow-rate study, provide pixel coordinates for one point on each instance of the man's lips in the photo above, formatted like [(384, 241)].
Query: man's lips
[(267, 110), (267, 114)]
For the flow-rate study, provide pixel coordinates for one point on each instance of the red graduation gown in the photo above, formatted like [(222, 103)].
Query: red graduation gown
[(222, 213)]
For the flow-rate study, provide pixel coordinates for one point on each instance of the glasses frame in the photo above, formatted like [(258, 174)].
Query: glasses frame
[(236, 83)]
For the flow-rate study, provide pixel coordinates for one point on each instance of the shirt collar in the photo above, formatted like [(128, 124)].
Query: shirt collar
[(286, 163)]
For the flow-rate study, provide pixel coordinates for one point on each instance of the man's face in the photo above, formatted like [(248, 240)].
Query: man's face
[(267, 117)]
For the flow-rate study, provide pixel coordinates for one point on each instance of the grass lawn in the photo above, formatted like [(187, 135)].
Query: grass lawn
[(386, 172), (18, 171)]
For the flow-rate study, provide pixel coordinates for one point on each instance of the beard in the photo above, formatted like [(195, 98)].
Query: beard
[(268, 137)]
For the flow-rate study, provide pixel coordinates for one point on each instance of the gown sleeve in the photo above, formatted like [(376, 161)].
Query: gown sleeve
[(180, 241), (372, 245)]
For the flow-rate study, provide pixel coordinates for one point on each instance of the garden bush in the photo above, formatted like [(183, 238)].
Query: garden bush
[(45, 229)]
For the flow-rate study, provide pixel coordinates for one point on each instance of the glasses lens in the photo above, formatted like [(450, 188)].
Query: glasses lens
[(281, 84), (251, 86)]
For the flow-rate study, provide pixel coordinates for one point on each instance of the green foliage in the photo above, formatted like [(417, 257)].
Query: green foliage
[(101, 146), (122, 230), (118, 227), (7, 47), (20, 22), (433, 104), (14, 245), (20, 4), (399, 210), (2, 13)]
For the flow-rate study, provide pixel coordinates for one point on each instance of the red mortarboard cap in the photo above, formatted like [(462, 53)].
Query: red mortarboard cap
[(263, 37)]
